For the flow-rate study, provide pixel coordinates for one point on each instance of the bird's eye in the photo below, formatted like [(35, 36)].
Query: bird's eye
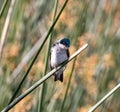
[(63, 43)]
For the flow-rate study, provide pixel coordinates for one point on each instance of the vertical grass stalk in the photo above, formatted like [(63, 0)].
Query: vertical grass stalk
[(68, 85), (35, 57), (42, 91), (5, 28), (3, 7)]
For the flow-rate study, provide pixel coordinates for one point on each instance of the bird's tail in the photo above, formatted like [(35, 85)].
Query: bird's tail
[(59, 77)]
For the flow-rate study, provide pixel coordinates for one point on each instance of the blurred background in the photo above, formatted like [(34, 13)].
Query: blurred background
[(95, 72)]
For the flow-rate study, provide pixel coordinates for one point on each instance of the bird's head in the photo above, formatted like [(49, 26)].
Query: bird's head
[(65, 42)]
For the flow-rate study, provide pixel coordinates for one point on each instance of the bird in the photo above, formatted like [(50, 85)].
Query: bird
[(59, 53)]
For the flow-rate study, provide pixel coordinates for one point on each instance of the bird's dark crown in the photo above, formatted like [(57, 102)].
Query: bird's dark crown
[(65, 41)]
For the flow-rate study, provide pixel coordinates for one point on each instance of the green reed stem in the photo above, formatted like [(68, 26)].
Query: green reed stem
[(3, 8), (68, 85)]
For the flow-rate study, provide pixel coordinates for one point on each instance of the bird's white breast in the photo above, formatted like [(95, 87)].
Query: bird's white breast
[(58, 55)]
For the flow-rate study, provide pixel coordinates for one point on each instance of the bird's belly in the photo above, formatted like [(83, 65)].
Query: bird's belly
[(57, 59)]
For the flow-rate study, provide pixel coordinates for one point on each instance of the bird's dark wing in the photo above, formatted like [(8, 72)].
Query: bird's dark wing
[(68, 53)]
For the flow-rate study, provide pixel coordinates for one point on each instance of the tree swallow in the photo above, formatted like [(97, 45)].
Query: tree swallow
[(59, 54)]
